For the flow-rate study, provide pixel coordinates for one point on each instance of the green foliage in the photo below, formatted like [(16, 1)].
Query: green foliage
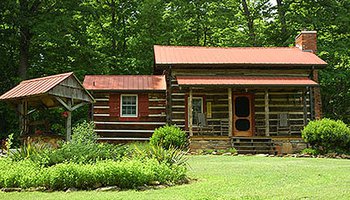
[(117, 37), (232, 150), (169, 136), (83, 148), (9, 142), (327, 135), (28, 150), (80, 153), (124, 174), (170, 156), (83, 133), (310, 151), (209, 151)]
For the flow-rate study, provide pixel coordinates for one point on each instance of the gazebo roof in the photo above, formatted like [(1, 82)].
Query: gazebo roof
[(46, 90)]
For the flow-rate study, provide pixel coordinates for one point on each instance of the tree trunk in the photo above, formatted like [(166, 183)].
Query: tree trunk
[(250, 22), (25, 37), (281, 14), (114, 27)]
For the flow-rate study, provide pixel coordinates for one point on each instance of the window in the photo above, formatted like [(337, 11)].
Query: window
[(128, 105), (197, 107)]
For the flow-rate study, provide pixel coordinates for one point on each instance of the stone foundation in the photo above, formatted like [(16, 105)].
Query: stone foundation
[(289, 145), (209, 143), (282, 145)]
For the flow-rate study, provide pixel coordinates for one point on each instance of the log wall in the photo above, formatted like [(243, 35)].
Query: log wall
[(293, 102), (111, 126)]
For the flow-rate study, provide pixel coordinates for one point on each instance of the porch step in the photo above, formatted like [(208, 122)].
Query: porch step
[(253, 145)]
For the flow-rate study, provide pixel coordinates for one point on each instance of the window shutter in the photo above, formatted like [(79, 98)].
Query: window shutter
[(143, 105), (114, 105)]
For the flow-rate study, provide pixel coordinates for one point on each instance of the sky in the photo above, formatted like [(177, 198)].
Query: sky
[(273, 2)]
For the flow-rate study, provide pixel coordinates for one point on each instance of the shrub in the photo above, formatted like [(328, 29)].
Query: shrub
[(27, 151), (82, 149), (170, 156), (327, 135), (232, 150), (125, 174), (83, 133), (167, 136), (80, 153), (310, 151)]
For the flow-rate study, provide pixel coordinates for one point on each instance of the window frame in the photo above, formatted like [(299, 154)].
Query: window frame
[(188, 114), (121, 105)]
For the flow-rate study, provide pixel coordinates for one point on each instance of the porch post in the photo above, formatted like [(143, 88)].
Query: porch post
[(190, 114), (230, 110), (304, 108), (267, 113), (312, 116)]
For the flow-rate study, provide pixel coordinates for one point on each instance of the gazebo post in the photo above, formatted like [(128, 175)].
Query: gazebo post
[(69, 120), (23, 120)]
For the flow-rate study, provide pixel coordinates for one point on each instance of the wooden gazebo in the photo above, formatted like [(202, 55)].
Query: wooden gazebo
[(61, 90)]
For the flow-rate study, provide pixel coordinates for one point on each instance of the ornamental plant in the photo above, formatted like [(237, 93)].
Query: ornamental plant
[(169, 136), (327, 136)]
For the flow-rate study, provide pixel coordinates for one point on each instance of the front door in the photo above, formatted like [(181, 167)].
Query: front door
[(243, 115)]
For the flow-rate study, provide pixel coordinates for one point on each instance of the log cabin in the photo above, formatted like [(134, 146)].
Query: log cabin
[(127, 107), (256, 99)]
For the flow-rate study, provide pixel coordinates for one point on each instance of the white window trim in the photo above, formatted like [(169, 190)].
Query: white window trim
[(121, 105), (188, 114)]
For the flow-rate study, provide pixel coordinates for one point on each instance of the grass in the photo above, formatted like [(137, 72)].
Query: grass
[(241, 177)]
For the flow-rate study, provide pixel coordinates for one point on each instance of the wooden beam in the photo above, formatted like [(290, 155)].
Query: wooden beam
[(23, 117), (64, 104), (230, 112), (311, 103), (169, 97), (304, 108), (190, 114), (69, 121), (267, 113), (78, 105)]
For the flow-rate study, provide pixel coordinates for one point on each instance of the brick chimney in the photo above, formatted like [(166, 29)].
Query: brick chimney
[(307, 41)]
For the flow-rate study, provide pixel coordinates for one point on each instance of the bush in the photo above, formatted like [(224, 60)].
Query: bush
[(168, 136), (80, 153), (170, 156), (82, 149), (310, 151), (28, 150), (83, 133), (124, 174), (327, 136)]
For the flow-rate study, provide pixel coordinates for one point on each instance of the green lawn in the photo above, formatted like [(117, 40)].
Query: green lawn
[(240, 177)]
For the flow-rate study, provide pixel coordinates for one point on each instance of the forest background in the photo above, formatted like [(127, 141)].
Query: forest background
[(45, 37)]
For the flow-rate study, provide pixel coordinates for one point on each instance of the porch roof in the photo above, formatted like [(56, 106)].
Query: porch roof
[(245, 81)]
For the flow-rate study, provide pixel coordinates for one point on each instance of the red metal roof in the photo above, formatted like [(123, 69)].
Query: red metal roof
[(234, 56), (124, 82), (245, 81), (35, 86)]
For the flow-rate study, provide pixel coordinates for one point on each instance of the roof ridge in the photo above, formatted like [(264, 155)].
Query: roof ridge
[(121, 75), (220, 47), (47, 77)]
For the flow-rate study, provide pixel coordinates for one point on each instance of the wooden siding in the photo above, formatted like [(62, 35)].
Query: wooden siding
[(70, 88), (290, 101), (110, 126)]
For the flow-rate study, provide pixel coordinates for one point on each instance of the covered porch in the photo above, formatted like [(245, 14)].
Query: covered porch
[(232, 107)]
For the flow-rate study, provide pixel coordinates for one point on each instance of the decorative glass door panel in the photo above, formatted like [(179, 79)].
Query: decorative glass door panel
[(242, 115)]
